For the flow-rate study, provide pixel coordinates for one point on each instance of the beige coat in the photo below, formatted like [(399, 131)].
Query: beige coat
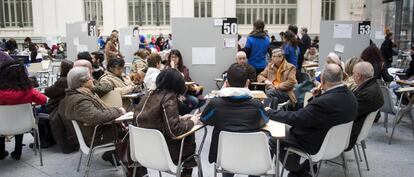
[(124, 85), (288, 78)]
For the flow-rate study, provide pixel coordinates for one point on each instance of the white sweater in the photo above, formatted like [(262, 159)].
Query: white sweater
[(151, 77)]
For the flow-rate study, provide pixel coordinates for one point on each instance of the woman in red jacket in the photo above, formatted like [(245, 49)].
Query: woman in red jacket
[(15, 88)]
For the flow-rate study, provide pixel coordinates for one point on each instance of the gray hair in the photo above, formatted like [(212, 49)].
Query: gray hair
[(78, 76), (278, 50), (332, 74), (365, 69)]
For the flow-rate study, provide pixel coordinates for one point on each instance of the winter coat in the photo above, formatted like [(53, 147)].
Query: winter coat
[(123, 84), (161, 113), (288, 78), (15, 97), (55, 93)]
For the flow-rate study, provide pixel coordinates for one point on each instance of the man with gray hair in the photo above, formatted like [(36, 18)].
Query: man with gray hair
[(241, 59), (100, 88), (332, 104), (368, 95)]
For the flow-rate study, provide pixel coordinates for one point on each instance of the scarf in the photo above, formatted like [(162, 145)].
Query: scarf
[(88, 93), (278, 74)]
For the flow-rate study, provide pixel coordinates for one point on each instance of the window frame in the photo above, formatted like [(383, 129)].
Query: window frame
[(150, 12), (93, 8), (271, 8), (19, 14)]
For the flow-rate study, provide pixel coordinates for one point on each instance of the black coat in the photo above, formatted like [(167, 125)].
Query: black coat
[(311, 124), (369, 99), (55, 93), (306, 40), (233, 115), (386, 50)]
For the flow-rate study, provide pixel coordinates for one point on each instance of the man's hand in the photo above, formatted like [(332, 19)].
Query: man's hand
[(122, 110), (196, 119), (186, 117)]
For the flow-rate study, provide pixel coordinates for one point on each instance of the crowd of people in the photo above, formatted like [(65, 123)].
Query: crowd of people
[(342, 93)]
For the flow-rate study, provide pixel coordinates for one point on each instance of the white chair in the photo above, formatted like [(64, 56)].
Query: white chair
[(113, 98), (308, 95), (244, 153), (35, 67), (23, 121), (361, 139), (149, 149), (388, 107), (335, 142), (90, 151)]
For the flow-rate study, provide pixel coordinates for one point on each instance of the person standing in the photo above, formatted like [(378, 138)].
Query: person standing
[(306, 40), (32, 48), (257, 47), (386, 49)]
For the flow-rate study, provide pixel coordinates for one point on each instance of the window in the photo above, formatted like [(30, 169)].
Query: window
[(275, 12), (16, 13), (93, 11), (148, 12), (328, 9), (202, 8)]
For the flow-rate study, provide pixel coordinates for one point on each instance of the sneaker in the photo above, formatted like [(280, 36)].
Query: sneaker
[(3, 155)]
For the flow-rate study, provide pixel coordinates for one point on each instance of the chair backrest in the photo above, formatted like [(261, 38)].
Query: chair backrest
[(46, 64), (388, 106), (336, 140), (113, 98), (367, 126), (244, 153), (82, 145), (308, 95), (35, 67), (149, 148), (16, 119)]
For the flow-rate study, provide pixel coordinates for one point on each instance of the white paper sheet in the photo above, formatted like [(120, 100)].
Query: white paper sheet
[(84, 27), (342, 31), (204, 55), (128, 40), (229, 42), (218, 22), (76, 41), (82, 48), (339, 48), (379, 35)]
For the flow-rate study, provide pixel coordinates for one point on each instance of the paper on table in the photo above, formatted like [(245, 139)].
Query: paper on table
[(342, 31), (128, 40), (218, 22), (204, 55), (84, 27), (81, 48), (339, 48), (229, 42), (379, 35), (76, 41)]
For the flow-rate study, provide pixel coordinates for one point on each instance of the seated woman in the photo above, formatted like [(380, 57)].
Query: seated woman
[(139, 63), (154, 64), (349, 66), (16, 88), (114, 76), (312, 54), (88, 109), (193, 95), (159, 110), (280, 79)]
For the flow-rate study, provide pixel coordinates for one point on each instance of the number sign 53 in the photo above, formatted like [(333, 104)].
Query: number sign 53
[(364, 27)]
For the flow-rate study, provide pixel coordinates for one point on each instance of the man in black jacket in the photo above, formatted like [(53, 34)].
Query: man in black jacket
[(368, 95), (306, 40), (331, 105), (233, 110)]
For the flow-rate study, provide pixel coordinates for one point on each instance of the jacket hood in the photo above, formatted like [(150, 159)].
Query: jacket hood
[(258, 34), (235, 93)]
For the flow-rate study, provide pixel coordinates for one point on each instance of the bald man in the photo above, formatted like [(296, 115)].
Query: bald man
[(241, 58), (100, 88), (368, 95), (333, 105)]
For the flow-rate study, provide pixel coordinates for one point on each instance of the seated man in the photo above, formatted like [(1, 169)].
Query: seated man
[(368, 95), (334, 104), (280, 79), (241, 59), (234, 110)]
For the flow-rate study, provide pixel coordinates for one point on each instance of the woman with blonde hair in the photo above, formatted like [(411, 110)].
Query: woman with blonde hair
[(349, 66)]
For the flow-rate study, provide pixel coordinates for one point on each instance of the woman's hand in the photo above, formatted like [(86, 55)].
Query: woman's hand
[(122, 110), (186, 117), (196, 119), (172, 64)]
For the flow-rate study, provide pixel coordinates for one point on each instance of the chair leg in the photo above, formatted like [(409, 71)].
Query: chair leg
[(359, 152), (357, 162), (39, 147), (345, 166), (412, 122), (319, 168), (284, 161), (199, 166), (134, 171), (397, 116), (364, 146), (386, 122), (159, 173), (35, 142), (215, 170), (80, 160), (114, 160), (311, 167), (88, 165)]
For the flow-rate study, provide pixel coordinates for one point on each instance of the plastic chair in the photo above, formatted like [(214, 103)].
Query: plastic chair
[(149, 149), (90, 151), (35, 67), (388, 107), (361, 140), (113, 98), (23, 120), (308, 95), (336, 140), (244, 153)]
